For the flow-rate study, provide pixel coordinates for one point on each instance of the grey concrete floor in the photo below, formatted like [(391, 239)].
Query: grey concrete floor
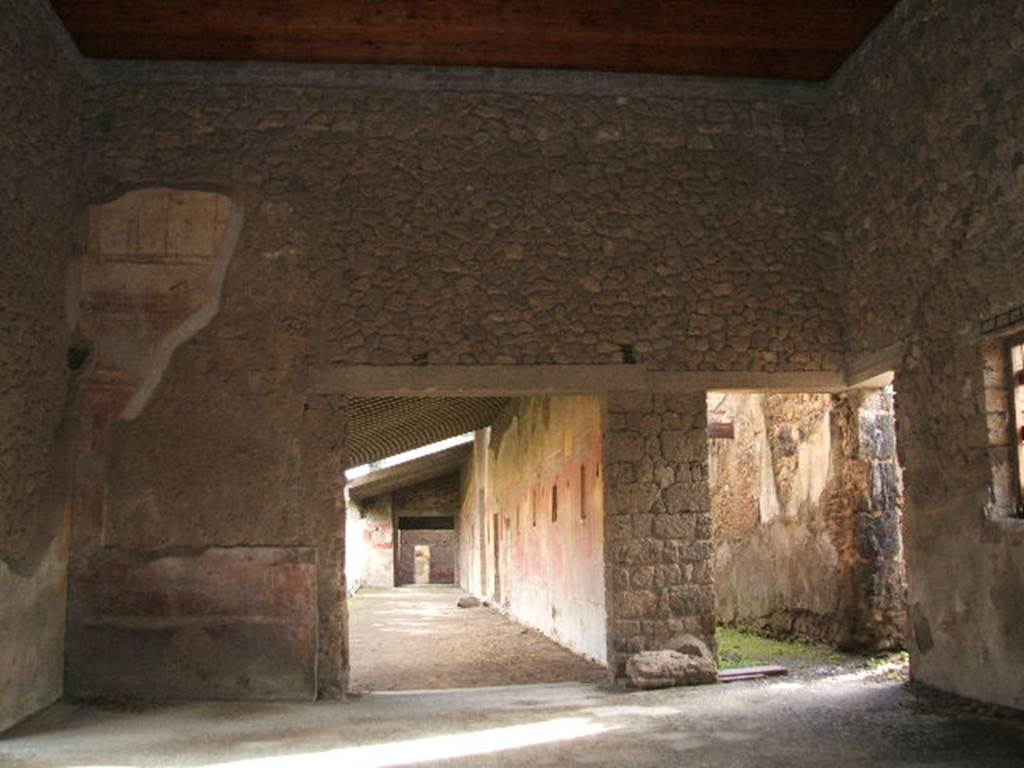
[(829, 722)]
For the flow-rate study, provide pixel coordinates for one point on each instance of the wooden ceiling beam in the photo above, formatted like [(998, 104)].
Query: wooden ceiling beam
[(801, 39)]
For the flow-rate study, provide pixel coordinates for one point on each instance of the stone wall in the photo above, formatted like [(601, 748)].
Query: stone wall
[(658, 550), (806, 504), (415, 216), (369, 543), (355, 548), (378, 554), (871, 483), (405, 216), (151, 275), (545, 519), (41, 90), (438, 497), (442, 544), (412, 216), (929, 176), (168, 622), (224, 623), (408, 216), (473, 574)]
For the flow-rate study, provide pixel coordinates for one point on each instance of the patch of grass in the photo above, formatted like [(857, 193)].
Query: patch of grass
[(745, 649), (890, 666), (887, 660)]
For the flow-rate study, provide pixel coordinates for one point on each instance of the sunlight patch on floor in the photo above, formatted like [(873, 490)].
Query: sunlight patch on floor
[(431, 748)]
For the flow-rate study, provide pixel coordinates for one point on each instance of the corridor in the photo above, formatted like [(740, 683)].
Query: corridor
[(415, 637)]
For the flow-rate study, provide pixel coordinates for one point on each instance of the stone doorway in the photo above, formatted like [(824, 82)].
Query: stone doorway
[(447, 514)]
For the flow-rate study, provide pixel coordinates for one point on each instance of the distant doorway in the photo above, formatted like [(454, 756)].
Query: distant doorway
[(447, 588), (421, 567), (426, 551)]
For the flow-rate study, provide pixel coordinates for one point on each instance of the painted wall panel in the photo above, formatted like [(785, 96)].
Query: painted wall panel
[(220, 623), (543, 521)]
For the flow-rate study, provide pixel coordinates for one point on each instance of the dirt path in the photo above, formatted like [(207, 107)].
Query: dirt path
[(415, 637)]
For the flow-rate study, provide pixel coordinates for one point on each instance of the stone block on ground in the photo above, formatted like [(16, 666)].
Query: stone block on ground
[(468, 602), (691, 645), (664, 669)]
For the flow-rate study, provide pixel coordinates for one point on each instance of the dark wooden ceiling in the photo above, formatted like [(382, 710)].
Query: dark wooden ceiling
[(790, 39)]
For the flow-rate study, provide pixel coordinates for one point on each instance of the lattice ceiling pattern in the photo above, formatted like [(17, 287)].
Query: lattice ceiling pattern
[(379, 427)]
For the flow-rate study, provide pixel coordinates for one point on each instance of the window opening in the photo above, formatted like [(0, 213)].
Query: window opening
[(1003, 372), (1017, 385), (583, 492)]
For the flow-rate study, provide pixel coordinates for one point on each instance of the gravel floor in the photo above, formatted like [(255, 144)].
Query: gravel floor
[(839, 722), (414, 638), (827, 715)]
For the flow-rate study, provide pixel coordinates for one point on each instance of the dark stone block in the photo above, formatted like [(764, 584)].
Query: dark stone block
[(886, 492), (878, 534), (878, 436)]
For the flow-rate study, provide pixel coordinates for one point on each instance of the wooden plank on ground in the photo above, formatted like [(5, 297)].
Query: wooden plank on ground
[(751, 673)]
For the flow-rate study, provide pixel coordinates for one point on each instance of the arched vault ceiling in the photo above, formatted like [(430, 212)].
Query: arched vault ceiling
[(379, 427)]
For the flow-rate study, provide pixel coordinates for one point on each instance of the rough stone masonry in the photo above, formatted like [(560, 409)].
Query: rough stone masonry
[(734, 229), (658, 549)]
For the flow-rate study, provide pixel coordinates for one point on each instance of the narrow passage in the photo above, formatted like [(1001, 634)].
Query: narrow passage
[(415, 637)]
